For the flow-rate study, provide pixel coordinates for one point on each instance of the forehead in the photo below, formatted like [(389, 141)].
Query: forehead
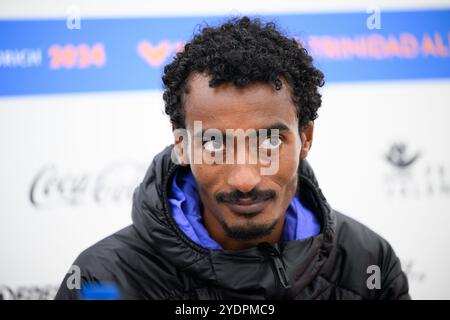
[(226, 106)]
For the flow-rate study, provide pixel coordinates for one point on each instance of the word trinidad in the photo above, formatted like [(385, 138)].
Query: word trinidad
[(213, 146), (234, 309)]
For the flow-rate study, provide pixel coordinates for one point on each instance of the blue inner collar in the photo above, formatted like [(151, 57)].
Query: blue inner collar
[(300, 222)]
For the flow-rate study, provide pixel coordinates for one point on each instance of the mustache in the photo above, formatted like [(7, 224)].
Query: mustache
[(236, 196)]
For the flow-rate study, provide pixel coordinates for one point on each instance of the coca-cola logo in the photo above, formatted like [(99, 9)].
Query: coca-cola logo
[(28, 292), (53, 187)]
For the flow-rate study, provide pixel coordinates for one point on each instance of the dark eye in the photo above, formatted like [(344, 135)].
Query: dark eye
[(213, 146), (271, 142)]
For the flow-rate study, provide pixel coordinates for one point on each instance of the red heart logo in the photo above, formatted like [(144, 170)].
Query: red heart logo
[(154, 55)]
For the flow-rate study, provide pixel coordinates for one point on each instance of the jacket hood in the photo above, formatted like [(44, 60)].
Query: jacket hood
[(249, 273)]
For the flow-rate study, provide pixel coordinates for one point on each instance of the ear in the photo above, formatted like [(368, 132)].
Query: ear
[(306, 136), (181, 146)]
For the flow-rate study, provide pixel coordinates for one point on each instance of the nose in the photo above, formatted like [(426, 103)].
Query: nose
[(244, 177)]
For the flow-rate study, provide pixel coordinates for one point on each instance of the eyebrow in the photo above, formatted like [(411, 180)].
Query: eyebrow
[(281, 127)]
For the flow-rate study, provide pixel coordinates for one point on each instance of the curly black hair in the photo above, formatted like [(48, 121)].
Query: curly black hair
[(243, 51)]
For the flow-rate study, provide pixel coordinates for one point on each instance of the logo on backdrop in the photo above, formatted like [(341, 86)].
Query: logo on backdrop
[(28, 292), (156, 55), (400, 157), (53, 186), (412, 173), (413, 273)]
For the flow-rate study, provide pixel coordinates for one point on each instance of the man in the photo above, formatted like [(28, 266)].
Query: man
[(232, 210)]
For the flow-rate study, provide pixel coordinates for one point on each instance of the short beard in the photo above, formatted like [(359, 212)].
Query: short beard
[(249, 232)]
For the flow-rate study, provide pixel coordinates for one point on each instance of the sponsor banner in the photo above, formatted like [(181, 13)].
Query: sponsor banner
[(57, 56)]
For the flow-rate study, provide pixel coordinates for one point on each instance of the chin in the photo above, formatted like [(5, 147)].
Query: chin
[(251, 228)]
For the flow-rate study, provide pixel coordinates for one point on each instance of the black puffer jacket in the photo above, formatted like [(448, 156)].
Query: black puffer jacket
[(153, 259)]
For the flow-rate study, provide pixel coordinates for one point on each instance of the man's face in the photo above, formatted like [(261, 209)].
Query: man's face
[(241, 206)]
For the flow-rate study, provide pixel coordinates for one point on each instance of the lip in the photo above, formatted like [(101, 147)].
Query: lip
[(248, 207)]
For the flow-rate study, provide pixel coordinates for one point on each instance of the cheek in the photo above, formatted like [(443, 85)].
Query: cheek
[(208, 177), (289, 177), (288, 167)]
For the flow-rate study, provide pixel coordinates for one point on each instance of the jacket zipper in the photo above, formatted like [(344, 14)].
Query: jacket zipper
[(278, 266)]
